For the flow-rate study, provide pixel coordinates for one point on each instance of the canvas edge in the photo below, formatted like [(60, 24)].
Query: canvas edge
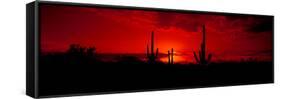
[(32, 49)]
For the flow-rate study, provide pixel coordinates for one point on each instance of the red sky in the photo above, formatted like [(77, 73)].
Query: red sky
[(229, 37)]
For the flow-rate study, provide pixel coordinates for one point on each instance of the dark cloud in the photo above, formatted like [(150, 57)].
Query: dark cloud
[(252, 24), (165, 20), (264, 25), (190, 26), (265, 52), (187, 22)]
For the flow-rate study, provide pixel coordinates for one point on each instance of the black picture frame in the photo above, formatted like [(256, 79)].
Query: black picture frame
[(33, 47)]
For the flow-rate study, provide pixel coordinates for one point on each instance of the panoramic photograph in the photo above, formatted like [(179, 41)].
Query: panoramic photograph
[(101, 49)]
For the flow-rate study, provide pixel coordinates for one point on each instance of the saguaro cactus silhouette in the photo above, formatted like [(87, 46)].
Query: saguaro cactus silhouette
[(171, 56), (201, 57), (151, 56)]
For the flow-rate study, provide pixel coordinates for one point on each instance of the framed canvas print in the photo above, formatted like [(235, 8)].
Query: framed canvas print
[(81, 49)]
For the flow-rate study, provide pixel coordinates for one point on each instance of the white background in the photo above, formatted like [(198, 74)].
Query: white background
[(12, 49)]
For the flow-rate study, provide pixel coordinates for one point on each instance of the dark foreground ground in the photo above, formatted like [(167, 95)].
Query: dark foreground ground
[(59, 76)]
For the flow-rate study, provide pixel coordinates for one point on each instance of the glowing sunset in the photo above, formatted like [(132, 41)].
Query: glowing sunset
[(124, 31)]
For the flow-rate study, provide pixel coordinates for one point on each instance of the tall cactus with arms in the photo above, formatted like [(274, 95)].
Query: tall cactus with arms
[(151, 56), (201, 57)]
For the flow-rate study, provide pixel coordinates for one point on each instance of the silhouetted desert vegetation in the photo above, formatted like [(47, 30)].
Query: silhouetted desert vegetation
[(67, 73)]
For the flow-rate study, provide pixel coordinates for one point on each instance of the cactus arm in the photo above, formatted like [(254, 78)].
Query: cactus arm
[(209, 57), (156, 55), (147, 51), (196, 58), (169, 58), (172, 56), (200, 56)]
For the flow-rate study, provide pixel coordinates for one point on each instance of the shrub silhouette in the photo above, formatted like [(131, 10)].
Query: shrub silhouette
[(79, 53)]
